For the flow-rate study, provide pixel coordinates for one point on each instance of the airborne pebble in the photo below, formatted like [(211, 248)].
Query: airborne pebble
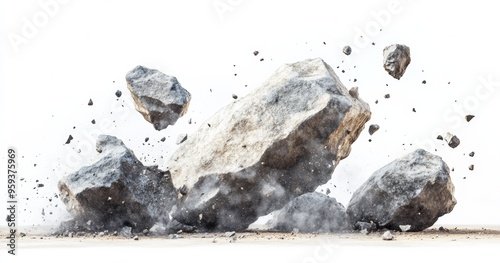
[(469, 117), (373, 128), (347, 50)]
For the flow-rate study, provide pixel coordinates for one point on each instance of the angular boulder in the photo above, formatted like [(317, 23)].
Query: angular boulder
[(396, 59), (311, 212), (158, 97), (414, 190), (118, 190), (259, 152)]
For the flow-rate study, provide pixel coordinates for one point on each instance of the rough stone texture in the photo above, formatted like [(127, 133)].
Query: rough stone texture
[(311, 212), (387, 235), (158, 97), (347, 50), (396, 59), (452, 140), (118, 190), (259, 152), (413, 190), (373, 128)]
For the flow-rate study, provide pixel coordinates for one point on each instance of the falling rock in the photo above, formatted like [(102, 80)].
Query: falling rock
[(282, 140), (347, 50), (396, 59), (118, 93), (452, 140), (118, 190), (70, 138), (158, 97), (469, 117), (182, 138), (373, 128), (311, 212), (471, 167), (413, 190)]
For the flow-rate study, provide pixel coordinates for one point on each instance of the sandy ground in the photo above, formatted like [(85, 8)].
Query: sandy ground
[(462, 243)]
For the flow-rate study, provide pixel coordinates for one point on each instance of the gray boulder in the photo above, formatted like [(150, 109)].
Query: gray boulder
[(259, 152), (414, 190), (396, 59), (118, 190), (158, 97), (311, 212)]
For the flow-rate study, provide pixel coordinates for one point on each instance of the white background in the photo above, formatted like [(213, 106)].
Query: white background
[(54, 59)]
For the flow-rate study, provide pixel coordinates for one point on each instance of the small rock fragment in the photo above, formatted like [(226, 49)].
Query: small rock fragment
[(182, 138), (255, 53), (471, 154), (146, 139), (118, 93), (452, 140), (387, 235), (396, 59), (136, 238), (235, 96), (404, 228), (93, 121), (69, 139), (424, 82), (442, 229), (387, 96), (471, 167), (163, 139), (90, 102), (439, 137), (469, 117), (373, 128), (230, 234), (347, 50)]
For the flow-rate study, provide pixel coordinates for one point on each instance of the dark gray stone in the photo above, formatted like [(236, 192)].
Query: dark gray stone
[(158, 97), (347, 50), (396, 59), (118, 190), (413, 190), (373, 128)]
